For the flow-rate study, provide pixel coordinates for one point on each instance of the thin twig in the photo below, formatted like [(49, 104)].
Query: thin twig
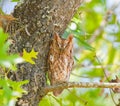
[(112, 97), (66, 85), (84, 76), (26, 29), (95, 67), (79, 98), (102, 67), (106, 78)]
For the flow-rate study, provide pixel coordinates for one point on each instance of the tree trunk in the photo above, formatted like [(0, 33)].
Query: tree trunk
[(36, 21)]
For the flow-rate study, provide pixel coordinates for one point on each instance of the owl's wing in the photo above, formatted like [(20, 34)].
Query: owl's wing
[(69, 68), (71, 64)]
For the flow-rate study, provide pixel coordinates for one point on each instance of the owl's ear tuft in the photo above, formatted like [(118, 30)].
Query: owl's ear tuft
[(70, 37), (56, 36)]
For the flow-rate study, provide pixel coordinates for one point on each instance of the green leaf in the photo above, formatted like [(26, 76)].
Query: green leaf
[(81, 42), (6, 59), (1, 12), (10, 91), (15, 0), (45, 102), (76, 59)]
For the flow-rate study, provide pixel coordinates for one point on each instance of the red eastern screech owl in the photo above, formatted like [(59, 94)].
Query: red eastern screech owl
[(60, 60)]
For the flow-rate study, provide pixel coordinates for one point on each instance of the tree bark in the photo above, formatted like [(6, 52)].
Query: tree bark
[(36, 21)]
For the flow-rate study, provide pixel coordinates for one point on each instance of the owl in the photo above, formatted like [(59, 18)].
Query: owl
[(60, 60)]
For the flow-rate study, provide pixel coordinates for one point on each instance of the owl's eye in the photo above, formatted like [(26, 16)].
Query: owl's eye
[(59, 45)]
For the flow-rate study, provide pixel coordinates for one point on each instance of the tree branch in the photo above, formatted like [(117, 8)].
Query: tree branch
[(66, 85)]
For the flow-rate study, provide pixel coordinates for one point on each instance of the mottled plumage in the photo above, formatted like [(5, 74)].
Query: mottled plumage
[(60, 60)]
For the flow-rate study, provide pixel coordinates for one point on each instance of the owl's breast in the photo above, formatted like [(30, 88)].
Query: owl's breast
[(59, 69)]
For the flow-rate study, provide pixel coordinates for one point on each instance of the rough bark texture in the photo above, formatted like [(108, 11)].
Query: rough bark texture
[(36, 21)]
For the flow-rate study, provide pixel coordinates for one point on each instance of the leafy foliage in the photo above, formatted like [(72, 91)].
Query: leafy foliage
[(6, 59), (10, 91), (81, 42)]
